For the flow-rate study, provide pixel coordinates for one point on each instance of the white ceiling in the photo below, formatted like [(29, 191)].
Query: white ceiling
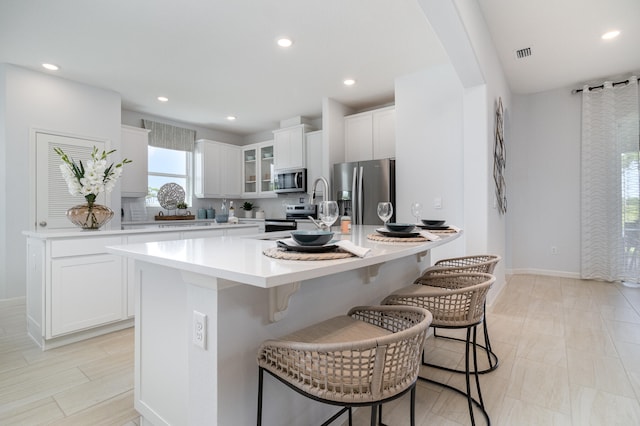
[(214, 58), (564, 36)]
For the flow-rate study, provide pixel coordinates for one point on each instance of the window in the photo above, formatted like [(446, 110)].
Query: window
[(165, 166)]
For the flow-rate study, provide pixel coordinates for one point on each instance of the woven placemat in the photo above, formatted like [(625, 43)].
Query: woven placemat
[(279, 253), (379, 237), (443, 231)]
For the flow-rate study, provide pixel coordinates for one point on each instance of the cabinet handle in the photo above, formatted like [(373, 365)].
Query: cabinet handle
[(43, 223)]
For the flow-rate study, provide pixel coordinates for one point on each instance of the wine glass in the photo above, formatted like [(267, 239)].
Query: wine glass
[(385, 211), (328, 212), (415, 210)]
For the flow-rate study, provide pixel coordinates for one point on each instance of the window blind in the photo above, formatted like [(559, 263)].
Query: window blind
[(163, 135)]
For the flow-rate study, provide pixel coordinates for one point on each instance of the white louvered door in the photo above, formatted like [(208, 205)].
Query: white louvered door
[(52, 194)]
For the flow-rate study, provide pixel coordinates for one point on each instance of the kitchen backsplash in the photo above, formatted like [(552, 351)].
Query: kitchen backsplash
[(134, 209)]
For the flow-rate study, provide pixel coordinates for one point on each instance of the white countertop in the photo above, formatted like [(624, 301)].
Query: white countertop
[(189, 222), (166, 227), (240, 258)]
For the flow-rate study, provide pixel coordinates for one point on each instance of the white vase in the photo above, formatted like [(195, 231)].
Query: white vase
[(248, 213)]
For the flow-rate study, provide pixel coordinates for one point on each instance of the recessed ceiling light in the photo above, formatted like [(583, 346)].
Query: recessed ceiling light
[(163, 99), (611, 34), (285, 42), (349, 82), (51, 67), (231, 117)]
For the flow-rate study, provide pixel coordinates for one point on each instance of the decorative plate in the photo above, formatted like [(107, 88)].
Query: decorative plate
[(307, 249), (169, 195), (434, 228), (388, 233)]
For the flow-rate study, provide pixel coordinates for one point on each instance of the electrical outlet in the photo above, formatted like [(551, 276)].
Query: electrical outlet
[(200, 330), (437, 203), (554, 250)]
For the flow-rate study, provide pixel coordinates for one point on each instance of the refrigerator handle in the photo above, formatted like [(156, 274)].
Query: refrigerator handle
[(355, 208), (360, 190)]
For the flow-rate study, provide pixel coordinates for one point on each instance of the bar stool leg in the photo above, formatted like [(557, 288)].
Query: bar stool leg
[(260, 381), (467, 378)]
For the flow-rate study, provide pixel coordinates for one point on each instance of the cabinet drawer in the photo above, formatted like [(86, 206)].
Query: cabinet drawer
[(82, 246)]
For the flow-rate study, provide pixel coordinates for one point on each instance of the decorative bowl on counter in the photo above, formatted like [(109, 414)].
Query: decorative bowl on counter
[(433, 222), (311, 238), (400, 227)]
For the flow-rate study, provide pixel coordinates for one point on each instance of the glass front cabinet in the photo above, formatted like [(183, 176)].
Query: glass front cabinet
[(257, 170)]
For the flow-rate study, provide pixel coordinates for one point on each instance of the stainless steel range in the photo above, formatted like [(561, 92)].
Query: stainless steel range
[(301, 211)]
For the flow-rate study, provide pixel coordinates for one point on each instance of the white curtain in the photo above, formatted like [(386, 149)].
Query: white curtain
[(610, 138)]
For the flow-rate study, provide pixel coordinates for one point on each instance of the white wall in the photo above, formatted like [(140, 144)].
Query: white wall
[(463, 32), (543, 181), (429, 149), (37, 100), (480, 111)]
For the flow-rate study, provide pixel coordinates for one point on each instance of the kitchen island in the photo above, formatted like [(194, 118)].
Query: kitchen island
[(203, 306), (76, 290)]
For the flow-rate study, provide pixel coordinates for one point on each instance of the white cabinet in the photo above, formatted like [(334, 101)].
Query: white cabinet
[(314, 159), (134, 143), (257, 170), (289, 147), (217, 170), (75, 289), (86, 291), (370, 135)]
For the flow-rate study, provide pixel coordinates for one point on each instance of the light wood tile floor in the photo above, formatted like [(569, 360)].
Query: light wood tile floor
[(86, 383), (569, 355)]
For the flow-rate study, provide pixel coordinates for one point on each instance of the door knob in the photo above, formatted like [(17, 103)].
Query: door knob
[(43, 223)]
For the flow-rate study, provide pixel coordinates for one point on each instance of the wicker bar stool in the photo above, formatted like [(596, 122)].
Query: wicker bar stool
[(456, 301), (485, 263), (365, 358)]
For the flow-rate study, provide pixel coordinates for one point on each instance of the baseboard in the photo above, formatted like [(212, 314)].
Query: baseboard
[(561, 274)]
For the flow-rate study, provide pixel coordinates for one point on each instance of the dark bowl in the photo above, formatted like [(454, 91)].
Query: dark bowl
[(433, 222), (400, 227), (312, 238)]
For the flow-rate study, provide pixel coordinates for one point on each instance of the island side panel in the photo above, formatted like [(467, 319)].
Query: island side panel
[(161, 358)]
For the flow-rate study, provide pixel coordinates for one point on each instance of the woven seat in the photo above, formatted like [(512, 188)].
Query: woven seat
[(456, 301), (484, 263), (365, 358)]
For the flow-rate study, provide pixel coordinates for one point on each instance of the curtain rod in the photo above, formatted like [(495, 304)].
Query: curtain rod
[(617, 83)]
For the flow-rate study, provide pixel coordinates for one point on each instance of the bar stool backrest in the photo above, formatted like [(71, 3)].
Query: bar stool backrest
[(454, 300)]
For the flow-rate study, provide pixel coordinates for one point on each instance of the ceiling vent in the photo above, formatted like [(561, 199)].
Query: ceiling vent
[(523, 53)]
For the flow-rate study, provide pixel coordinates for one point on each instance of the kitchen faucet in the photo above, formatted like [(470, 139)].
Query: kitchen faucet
[(325, 194), (325, 197)]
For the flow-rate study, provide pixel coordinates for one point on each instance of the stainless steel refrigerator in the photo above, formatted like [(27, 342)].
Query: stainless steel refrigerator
[(358, 188)]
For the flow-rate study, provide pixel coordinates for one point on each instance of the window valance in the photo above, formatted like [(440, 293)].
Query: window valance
[(170, 137)]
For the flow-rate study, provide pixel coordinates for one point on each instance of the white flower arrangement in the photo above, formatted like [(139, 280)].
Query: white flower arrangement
[(93, 179)]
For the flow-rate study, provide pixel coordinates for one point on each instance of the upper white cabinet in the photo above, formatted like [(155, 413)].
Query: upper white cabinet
[(370, 135), (314, 158), (257, 170), (289, 147), (134, 143), (217, 170)]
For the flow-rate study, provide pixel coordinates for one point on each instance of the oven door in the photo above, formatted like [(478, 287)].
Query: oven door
[(274, 225)]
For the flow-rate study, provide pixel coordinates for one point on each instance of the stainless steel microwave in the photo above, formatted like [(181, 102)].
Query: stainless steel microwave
[(291, 180)]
